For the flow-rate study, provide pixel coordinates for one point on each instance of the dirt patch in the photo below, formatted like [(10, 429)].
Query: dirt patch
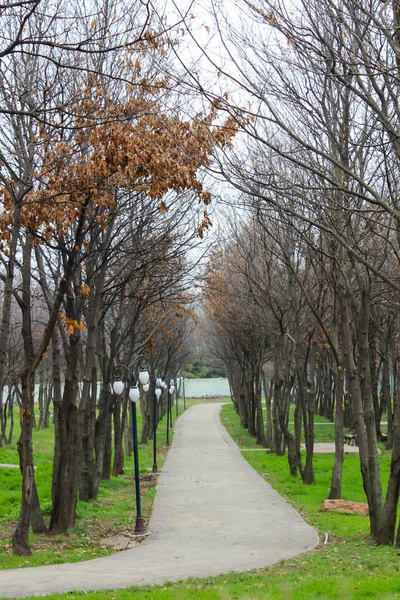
[(346, 507)]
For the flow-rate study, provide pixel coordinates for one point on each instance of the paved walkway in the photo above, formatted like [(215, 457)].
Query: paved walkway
[(319, 448), (329, 448), (212, 514), (6, 466)]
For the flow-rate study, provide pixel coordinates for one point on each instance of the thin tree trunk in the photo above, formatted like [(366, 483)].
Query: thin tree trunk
[(268, 405), (20, 538), (67, 454), (353, 384), (118, 464), (37, 521), (107, 458), (259, 412), (393, 489), (335, 491), (29, 494), (7, 294), (375, 500), (308, 473)]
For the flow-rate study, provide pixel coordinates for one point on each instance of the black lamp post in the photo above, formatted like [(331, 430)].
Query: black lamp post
[(171, 390), (134, 395), (168, 414), (156, 396), (176, 399)]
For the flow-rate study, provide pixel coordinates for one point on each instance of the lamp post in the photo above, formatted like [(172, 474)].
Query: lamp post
[(156, 396), (134, 395), (176, 399), (168, 415), (171, 390)]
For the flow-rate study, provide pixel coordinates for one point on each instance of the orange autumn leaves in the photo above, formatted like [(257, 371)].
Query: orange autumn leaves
[(220, 299), (131, 144), (71, 324)]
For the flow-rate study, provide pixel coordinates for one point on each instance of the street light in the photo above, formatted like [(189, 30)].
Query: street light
[(169, 410), (176, 399), (156, 396), (134, 395), (171, 399)]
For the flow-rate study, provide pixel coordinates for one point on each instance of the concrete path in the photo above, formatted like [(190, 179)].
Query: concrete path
[(329, 448), (319, 448), (212, 514), (5, 466)]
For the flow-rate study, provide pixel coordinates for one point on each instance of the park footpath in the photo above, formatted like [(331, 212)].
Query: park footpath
[(212, 514)]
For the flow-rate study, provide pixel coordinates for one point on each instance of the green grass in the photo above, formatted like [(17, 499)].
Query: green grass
[(347, 567), (324, 430), (113, 512), (309, 498), (292, 580)]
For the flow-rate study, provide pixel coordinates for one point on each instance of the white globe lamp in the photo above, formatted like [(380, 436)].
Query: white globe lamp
[(134, 393), (144, 376), (118, 387)]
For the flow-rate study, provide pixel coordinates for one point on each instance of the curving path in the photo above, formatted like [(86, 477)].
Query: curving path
[(212, 514)]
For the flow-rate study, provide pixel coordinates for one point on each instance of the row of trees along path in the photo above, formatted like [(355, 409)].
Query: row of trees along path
[(101, 199), (99, 171), (304, 293)]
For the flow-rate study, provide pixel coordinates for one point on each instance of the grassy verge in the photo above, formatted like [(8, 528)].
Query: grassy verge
[(308, 499), (113, 513)]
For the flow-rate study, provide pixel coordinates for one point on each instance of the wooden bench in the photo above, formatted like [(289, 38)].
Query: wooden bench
[(350, 438)]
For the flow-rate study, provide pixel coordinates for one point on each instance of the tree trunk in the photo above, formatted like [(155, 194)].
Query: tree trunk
[(87, 404), (107, 458), (259, 412), (20, 538), (393, 488), (7, 293), (278, 399), (250, 400), (335, 491), (128, 432), (300, 399), (105, 405), (41, 399), (118, 464), (278, 449), (146, 407), (268, 405), (308, 473), (10, 409), (37, 521), (353, 383), (386, 401), (374, 384), (29, 493), (375, 500), (67, 451)]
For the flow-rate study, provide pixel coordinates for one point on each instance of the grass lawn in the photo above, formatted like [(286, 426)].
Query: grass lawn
[(348, 566), (113, 513)]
